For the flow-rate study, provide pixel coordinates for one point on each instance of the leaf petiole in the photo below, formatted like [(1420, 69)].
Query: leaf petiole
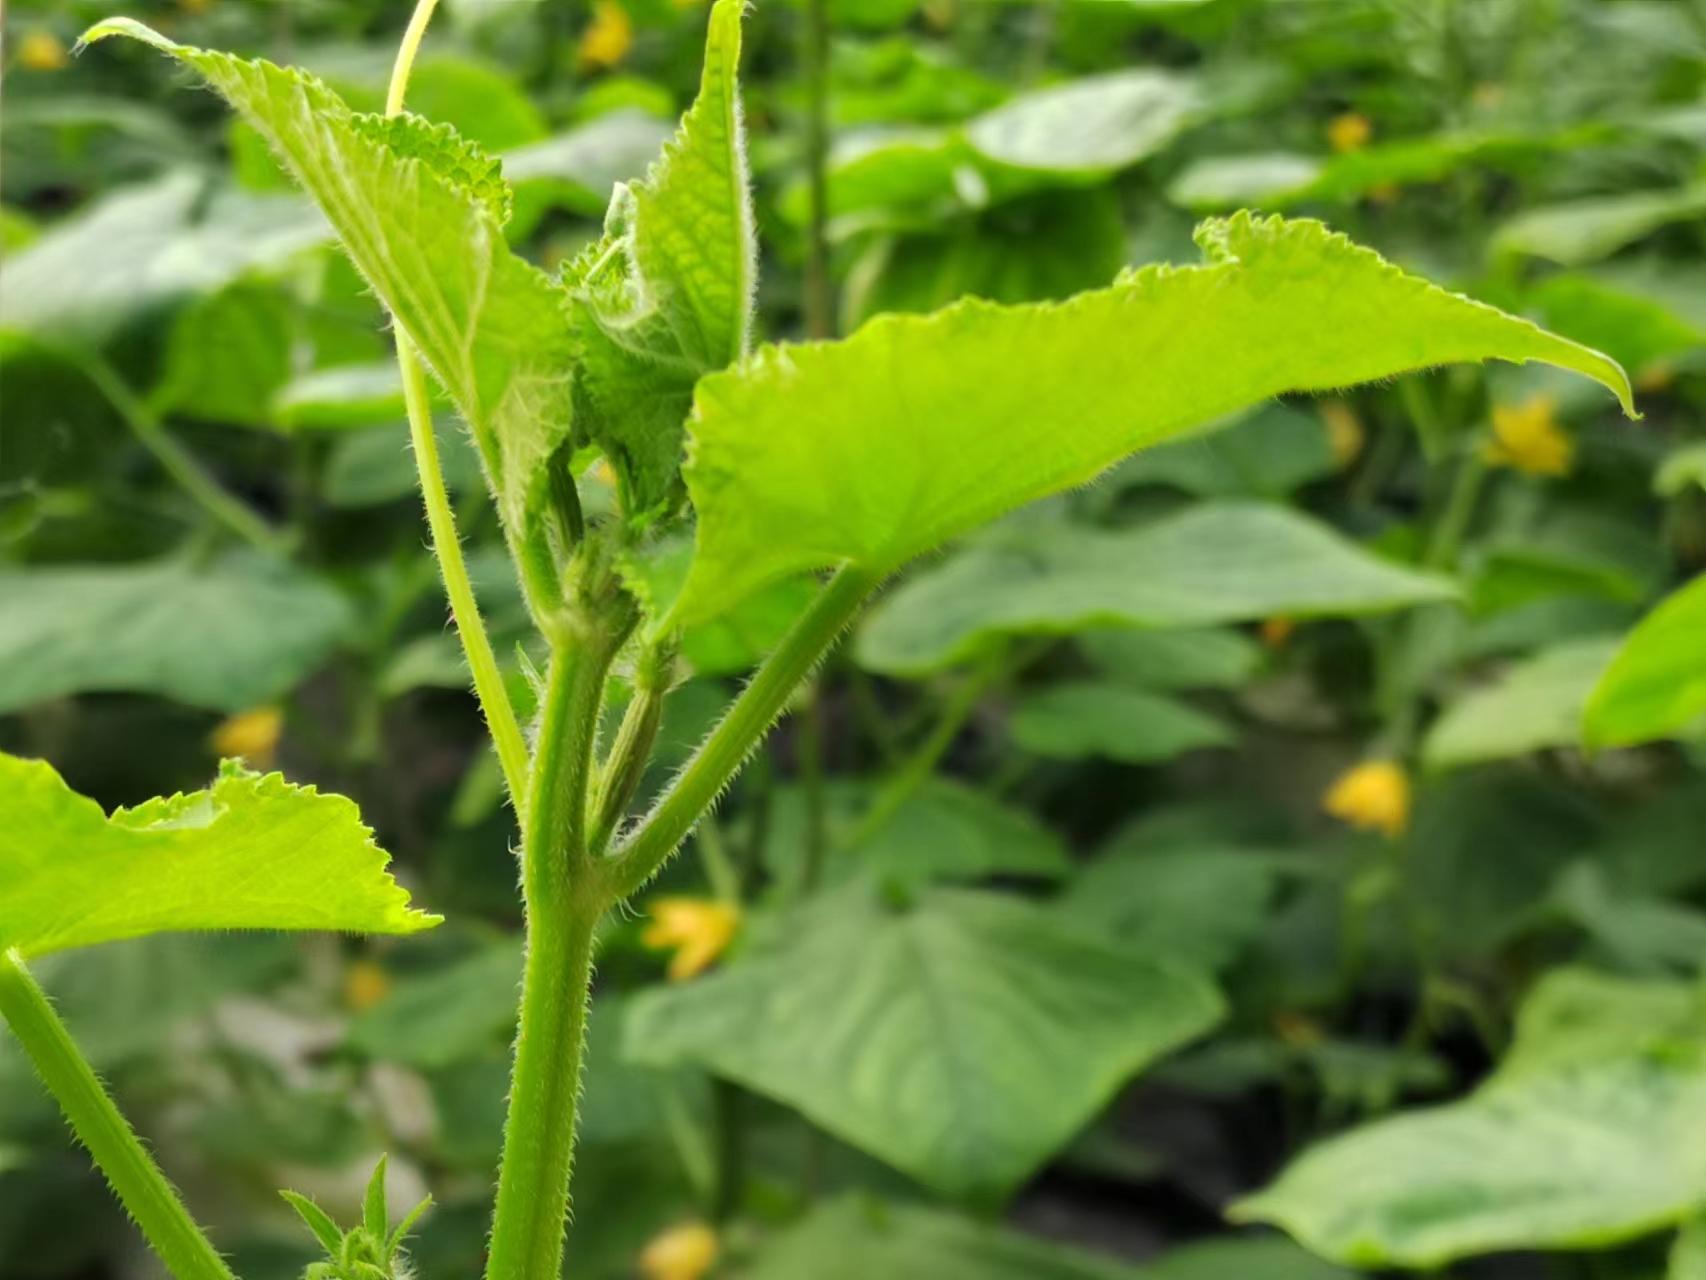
[(95, 1119)]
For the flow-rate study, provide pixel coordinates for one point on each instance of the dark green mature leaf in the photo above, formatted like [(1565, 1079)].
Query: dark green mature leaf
[(349, 395), (443, 1017), (666, 295), (1584, 231), (250, 852), (1688, 1255), (1082, 719), (1194, 658), (1535, 705), (143, 247), (872, 450), (1655, 685), (963, 1039), (227, 356), (1215, 563), (226, 635), (856, 1239), (421, 213), (1581, 1139)]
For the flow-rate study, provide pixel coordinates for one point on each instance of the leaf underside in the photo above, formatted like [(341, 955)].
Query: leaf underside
[(252, 851)]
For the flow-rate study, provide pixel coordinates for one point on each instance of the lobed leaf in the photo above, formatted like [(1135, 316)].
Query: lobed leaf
[(1655, 685), (963, 1039), (869, 451), (420, 212), (252, 851)]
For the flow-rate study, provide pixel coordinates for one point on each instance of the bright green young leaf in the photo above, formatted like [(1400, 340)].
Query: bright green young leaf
[(1194, 658), (1688, 1254), (225, 635), (666, 295), (1536, 705), (421, 213), (1082, 719), (872, 450), (1214, 563), (1581, 1139), (964, 1038), (250, 852), (1655, 685)]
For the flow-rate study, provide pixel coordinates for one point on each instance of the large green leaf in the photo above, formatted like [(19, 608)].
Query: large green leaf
[(225, 635), (1655, 686), (872, 450), (446, 1016), (1087, 718), (1584, 1137), (964, 1038), (250, 852), (854, 1238), (1688, 1256), (666, 294), (1192, 658), (1586, 230), (1535, 705), (421, 213), (1217, 562), (1089, 127)]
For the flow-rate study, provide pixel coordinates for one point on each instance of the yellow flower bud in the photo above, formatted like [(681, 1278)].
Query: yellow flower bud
[(365, 985), (1349, 132), (1345, 432), (1528, 438), (607, 38), (42, 51), (1276, 632), (686, 1252), (249, 735), (698, 929), (1374, 796)]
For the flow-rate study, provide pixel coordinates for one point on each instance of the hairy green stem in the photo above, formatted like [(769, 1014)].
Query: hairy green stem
[(564, 902), (721, 755), (441, 519), (626, 763), (135, 1178)]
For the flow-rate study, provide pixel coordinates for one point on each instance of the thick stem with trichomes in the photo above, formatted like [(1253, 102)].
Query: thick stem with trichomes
[(721, 755), (135, 1178), (565, 898), (441, 518)]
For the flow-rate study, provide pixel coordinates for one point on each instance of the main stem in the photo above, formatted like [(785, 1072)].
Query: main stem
[(137, 1180), (441, 517), (565, 899)]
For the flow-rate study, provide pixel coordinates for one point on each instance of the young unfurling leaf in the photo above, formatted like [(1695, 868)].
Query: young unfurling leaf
[(420, 212), (251, 852), (873, 450), (666, 294)]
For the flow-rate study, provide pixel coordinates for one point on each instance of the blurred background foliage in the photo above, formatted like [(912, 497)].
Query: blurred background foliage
[(1291, 710)]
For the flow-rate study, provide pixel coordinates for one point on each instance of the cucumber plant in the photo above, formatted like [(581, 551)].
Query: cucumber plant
[(736, 467)]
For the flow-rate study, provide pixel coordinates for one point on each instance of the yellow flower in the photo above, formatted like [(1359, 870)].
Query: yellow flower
[(608, 37), (365, 985), (1349, 132), (1345, 433), (686, 1252), (1374, 796), (699, 930), (252, 735), (1527, 436), (42, 51), (1657, 376), (1276, 632), (195, 6)]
